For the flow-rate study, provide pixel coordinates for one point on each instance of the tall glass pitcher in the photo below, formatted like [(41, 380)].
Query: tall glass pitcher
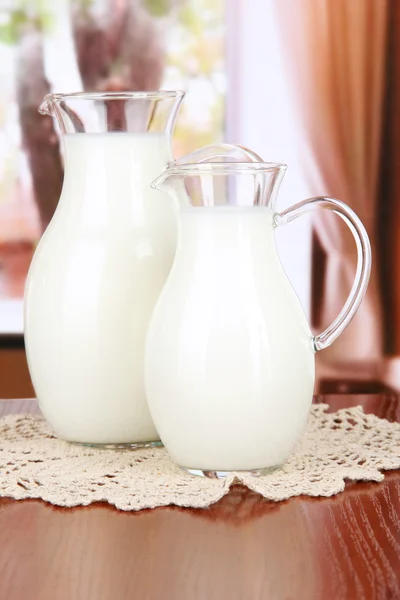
[(230, 356), (100, 265)]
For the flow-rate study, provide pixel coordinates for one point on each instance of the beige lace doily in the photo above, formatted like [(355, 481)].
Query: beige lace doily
[(344, 445)]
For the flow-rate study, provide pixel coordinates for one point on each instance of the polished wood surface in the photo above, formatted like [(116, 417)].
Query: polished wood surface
[(15, 381), (242, 548)]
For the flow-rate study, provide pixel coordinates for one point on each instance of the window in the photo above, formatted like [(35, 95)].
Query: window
[(94, 44)]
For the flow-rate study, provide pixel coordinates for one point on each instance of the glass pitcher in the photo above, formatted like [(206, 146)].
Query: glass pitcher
[(229, 363), (101, 264)]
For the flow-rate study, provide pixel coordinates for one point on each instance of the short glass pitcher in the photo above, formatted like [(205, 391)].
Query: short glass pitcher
[(229, 365)]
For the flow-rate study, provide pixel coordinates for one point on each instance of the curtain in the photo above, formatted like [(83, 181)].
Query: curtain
[(337, 54), (390, 189)]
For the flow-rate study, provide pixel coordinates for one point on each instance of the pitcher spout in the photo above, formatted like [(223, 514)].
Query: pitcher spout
[(159, 183), (46, 107)]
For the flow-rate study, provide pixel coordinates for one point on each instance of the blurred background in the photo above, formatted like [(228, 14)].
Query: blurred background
[(312, 83)]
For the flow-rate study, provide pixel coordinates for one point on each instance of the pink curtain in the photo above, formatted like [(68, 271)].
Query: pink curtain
[(337, 54)]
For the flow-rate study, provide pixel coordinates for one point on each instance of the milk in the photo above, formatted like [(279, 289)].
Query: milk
[(92, 286), (229, 360)]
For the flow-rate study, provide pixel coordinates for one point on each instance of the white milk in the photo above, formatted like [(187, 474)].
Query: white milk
[(92, 286), (229, 361)]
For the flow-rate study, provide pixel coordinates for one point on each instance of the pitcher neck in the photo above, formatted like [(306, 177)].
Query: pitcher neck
[(132, 112), (229, 184)]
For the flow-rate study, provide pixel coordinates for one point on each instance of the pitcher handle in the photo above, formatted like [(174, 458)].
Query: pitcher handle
[(325, 339), (215, 151)]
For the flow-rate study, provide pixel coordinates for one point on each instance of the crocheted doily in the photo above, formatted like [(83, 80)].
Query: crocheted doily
[(348, 444)]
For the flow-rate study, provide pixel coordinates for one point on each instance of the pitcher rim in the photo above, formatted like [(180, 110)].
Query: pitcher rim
[(123, 95), (221, 168), (217, 168)]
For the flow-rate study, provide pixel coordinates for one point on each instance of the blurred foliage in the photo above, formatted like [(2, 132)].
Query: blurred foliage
[(199, 58), (85, 4), (186, 139), (201, 22), (158, 8), (189, 18), (25, 15)]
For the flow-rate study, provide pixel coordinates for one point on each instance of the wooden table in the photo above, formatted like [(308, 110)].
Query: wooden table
[(242, 548)]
